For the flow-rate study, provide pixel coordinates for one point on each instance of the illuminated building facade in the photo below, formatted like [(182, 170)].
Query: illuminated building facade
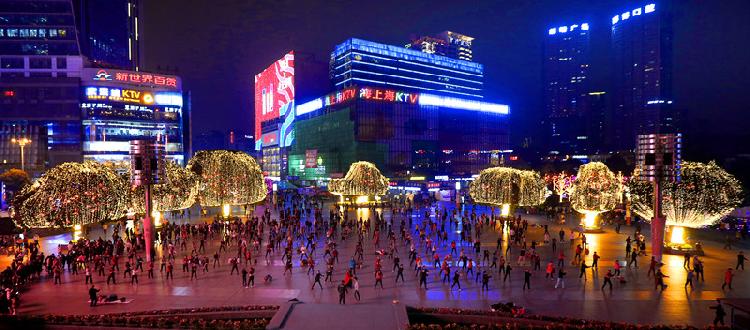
[(118, 106), (110, 32), (566, 84), (40, 66), (642, 74), (359, 62), (447, 43), (402, 132)]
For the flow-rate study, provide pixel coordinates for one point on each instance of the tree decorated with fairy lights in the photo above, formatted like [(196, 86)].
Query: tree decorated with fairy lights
[(227, 178), (594, 191), (703, 195), (508, 186), (178, 191), (72, 194), (562, 183), (362, 179)]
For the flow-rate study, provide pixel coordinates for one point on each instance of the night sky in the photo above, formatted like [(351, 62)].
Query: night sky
[(218, 46)]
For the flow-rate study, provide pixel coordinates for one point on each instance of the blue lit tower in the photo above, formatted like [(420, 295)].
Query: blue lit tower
[(109, 32), (642, 74), (361, 62), (565, 71)]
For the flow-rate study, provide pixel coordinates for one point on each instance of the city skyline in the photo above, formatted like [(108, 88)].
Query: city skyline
[(515, 74)]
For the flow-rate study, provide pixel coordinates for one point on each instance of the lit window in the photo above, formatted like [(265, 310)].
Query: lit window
[(2, 32), (562, 29), (585, 26), (625, 15), (637, 11), (650, 8), (615, 19), (552, 31)]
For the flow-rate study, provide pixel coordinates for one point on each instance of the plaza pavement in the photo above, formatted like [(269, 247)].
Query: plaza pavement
[(636, 301)]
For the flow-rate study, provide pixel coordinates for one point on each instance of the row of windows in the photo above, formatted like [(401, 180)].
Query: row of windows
[(36, 19), (39, 48), (33, 33)]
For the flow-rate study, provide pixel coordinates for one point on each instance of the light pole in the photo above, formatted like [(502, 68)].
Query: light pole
[(22, 142)]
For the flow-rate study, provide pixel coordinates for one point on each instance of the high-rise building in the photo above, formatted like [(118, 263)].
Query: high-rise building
[(40, 67), (567, 57), (642, 74), (446, 43), (109, 32), (118, 106), (296, 76), (411, 113), (361, 62)]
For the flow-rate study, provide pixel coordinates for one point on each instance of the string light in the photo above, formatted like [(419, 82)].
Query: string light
[(595, 189), (227, 177), (72, 194), (506, 185), (362, 179), (178, 192), (704, 194)]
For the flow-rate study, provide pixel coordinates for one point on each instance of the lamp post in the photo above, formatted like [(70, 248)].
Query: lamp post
[(22, 142)]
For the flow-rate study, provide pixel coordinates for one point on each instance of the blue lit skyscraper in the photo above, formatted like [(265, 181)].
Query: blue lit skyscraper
[(109, 32), (566, 70), (642, 74), (360, 62)]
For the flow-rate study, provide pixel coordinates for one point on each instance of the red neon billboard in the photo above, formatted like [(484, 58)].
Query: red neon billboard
[(274, 88)]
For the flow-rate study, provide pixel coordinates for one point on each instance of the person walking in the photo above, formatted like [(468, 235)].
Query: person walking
[(89, 279), (422, 278), (689, 279), (659, 280), (507, 272), (720, 313), (318, 276), (583, 270), (608, 280), (740, 261), (342, 293), (485, 281), (93, 291), (595, 262), (379, 278), (355, 284), (526, 279), (652, 267), (244, 277), (728, 276), (560, 278), (456, 277)]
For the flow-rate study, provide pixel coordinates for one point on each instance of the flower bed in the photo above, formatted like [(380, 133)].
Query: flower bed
[(192, 318), (459, 319)]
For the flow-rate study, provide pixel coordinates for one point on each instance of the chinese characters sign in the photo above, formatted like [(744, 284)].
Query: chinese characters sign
[(311, 158), (388, 95), (134, 78)]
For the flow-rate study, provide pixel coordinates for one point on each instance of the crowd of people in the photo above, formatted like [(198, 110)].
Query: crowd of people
[(437, 246)]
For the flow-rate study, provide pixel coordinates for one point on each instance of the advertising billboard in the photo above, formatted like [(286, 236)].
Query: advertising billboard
[(274, 90)]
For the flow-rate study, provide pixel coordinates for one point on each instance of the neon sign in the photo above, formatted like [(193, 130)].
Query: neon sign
[(368, 93), (130, 96), (340, 97), (650, 8), (133, 77)]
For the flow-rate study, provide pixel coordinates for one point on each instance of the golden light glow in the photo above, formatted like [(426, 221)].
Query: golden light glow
[(678, 235), (157, 218), (417, 178), (77, 233), (362, 200), (505, 211), (589, 219), (226, 210)]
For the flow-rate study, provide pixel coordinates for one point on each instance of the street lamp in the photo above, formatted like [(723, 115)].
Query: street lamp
[(22, 142)]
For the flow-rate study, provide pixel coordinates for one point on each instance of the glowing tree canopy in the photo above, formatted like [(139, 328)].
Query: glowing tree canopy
[(594, 189), (506, 185), (72, 194), (179, 191), (227, 177), (362, 179), (705, 193), (533, 188)]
